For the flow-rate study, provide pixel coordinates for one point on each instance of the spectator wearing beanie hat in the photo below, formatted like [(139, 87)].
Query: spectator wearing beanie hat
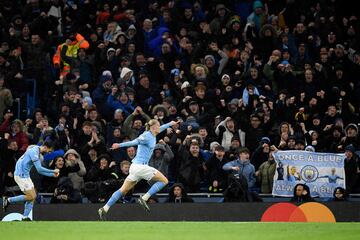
[(233, 151)]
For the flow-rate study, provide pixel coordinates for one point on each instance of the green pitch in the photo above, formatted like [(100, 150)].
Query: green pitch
[(177, 230)]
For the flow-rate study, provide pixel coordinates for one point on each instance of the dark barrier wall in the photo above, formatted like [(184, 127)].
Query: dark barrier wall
[(344, 212)]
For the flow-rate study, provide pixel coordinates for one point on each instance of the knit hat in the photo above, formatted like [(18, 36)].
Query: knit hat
[(234, 101), (111, 50), (131, 27), (213, 144), (106, 73), (209, 56), (285, 62), (350, 148), (225, 76), (257, 4), (185, 84), (232, 20), (265, 140), (88, 100), (310, 148)]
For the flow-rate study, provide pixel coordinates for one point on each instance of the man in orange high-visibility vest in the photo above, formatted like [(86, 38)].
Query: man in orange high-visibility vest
[(68, 49)]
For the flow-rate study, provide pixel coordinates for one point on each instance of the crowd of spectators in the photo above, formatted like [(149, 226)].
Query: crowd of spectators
[(243, 77)]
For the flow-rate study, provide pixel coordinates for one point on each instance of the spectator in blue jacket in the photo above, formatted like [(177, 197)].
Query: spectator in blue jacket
[(121, 101), (242, 166), (101, 93)]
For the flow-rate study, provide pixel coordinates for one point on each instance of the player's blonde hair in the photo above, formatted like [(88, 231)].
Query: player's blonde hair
[(150, 123)]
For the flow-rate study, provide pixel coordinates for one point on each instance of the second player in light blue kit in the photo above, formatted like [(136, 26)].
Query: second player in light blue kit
[(139, 168), (32, 157)]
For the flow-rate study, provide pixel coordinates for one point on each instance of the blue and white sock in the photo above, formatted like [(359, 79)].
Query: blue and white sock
[(154, 189), (28, 208), (116, 196), (20, 198)]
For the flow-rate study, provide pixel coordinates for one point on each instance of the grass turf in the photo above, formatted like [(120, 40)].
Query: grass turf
[(177, 230)]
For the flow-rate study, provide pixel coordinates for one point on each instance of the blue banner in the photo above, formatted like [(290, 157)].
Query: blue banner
[(322, 172)]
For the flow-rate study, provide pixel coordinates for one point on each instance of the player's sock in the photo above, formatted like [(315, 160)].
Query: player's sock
[(154, 189), (116, 195), (146, 196), (20, 198), (28, 208)]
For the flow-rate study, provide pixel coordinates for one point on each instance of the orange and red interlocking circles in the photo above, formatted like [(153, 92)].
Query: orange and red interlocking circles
[(307, 212)]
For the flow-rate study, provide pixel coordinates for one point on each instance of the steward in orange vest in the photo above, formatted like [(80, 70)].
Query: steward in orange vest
[(69, 48)]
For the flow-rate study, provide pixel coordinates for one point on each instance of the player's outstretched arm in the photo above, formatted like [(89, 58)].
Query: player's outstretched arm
[(134, 142), (44, 171)]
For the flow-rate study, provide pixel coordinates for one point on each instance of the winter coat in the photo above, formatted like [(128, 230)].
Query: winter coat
[(114, 104), (76, 177), (228, 135), (100, 95), (50, 183), (215, 171), (266, 176), (259, 157), (190, 170), (162, 163), (246, 169)]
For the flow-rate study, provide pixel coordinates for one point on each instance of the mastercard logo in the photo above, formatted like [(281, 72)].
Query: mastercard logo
[(307, 212)]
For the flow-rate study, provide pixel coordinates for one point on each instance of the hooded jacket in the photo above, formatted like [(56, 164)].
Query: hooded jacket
[(162, 162), (131, 81), (100, 95), (227, 135), (76, 177)]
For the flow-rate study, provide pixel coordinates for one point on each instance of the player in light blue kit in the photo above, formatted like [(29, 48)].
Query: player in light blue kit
[(139, 168), (32, 157)]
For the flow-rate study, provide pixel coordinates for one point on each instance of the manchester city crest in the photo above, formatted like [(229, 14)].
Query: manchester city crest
[(309, 173)]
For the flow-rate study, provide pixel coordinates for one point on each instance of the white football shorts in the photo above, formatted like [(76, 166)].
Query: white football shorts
[(25, 184), (139, 171)]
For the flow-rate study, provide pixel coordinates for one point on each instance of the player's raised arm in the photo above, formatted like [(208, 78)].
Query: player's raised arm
[(167, 125)]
